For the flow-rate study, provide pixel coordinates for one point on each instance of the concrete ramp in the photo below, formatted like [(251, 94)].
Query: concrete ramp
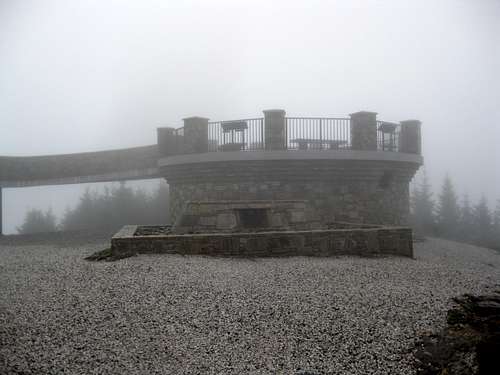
[(101, 166)]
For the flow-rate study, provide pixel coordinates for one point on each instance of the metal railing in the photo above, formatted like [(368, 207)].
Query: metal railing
[(317, 133), (301, 133), (236, 135), (388, 136)]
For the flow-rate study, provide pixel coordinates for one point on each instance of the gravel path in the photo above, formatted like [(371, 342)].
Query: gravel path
[(170, 314)]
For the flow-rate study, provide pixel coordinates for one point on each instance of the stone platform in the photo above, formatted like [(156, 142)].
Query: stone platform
[(335, 239)]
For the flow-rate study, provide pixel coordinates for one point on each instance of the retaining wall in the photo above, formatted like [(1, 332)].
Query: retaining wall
[(329, 242)]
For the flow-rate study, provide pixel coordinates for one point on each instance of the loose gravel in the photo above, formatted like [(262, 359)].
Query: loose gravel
[(172, 314)]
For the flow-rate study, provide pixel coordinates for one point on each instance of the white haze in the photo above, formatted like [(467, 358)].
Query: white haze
[(91, 75)]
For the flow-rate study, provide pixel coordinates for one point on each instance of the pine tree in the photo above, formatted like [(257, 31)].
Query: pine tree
[(160, 204), (496, 226), (466, 223), (82, 214), (448, 212), (117, 206), (482, 223), (422, 205), (36, 221)]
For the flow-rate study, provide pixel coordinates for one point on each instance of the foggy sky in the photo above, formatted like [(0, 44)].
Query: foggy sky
[(80, 76)]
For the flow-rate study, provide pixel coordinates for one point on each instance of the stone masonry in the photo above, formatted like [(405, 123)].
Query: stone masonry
[(223, 216), (326, 242), (364, 192)]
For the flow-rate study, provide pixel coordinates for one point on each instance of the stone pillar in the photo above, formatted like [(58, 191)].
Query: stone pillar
[(364, 130), (168, 142), (410, 139), (195, 135), (274, 129)]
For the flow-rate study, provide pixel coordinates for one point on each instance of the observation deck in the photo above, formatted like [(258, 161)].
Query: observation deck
[(274, 131), (355, 168)]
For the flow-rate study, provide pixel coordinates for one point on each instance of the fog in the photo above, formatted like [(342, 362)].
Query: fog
[(92, 75)]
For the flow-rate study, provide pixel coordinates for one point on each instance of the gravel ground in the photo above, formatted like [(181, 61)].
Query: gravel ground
[(169, 314)]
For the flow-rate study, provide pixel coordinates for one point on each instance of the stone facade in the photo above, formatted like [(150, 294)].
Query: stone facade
[(327, 242), (233, 216), (356, 191)]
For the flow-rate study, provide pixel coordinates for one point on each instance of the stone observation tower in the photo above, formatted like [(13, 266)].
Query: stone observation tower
[(315, 170), (354, 169)]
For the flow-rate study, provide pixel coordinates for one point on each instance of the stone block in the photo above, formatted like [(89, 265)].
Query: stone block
[(297, 216), (353, 215), (276, 220), (226, 221), (188, 221), (337, 244), (208, 220)]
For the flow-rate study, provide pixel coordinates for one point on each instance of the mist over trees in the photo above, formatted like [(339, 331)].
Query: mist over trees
[(37, 221), (422, 207), (107, 211), (448, 210), (451, 218)]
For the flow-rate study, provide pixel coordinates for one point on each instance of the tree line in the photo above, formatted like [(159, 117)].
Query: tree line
[(453, 218), (105, 211)]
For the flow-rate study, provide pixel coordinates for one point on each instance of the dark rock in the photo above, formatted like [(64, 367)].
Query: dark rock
[(106, 255), (469, 344)]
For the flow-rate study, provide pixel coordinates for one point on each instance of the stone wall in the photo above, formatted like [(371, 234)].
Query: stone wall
[(365, 202), (365, 192), (361, 242), (229, 216)]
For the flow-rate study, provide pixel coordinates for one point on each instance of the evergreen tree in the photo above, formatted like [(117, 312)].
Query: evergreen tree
[(466, 224), (422, 205), (83, 214), (496, 226), (36, 221), (482, 223), (448, 212), (160, 204), (116, 207)]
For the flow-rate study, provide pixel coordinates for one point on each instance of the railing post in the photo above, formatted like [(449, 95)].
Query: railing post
[(410, 138), (262, 136), (195, 135), (274, 129), (321, 134), (364, 130), (167, 141)]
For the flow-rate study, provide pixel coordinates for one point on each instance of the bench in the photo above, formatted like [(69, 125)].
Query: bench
[(234, 135), (314, 143), (234, 146), (388, 129)]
